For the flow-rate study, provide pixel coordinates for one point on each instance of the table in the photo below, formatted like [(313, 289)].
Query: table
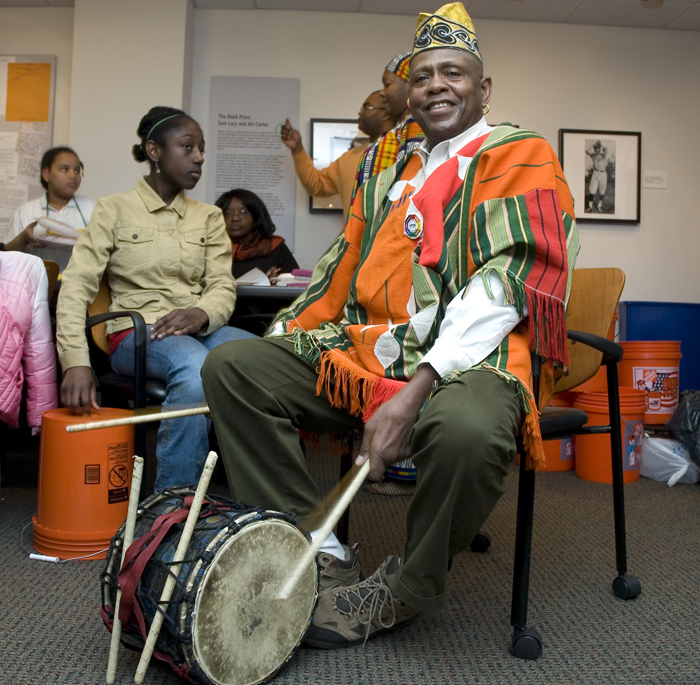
[(256, 305)]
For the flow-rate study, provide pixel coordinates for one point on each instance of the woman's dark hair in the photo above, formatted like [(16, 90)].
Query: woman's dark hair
[(48, 159), (155, 125), (262, 223)]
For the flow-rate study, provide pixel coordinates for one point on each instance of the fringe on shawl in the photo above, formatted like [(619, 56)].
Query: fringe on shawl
[(305, 345), (546, 315), (352, 388)]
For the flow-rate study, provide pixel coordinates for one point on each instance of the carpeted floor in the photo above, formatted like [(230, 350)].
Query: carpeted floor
[(51, 632)]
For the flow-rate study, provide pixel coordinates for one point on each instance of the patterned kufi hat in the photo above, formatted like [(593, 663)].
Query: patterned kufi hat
[(399, 65), (449, 27)]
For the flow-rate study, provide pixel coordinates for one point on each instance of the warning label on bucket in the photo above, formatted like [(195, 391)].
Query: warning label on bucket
[(118, 472), (661, 385)]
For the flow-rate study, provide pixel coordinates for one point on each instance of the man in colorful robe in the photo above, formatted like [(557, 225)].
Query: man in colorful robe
[(419, 322)]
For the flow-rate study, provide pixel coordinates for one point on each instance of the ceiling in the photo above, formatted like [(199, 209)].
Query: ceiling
[(660, 14)]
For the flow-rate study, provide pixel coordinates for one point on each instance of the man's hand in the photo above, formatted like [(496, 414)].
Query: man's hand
[(291, 137), (386, 434), (179, 322), (78, 391)]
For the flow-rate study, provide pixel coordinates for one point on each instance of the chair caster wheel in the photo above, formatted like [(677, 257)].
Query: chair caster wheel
[(526, 644), (627, 587), (480, 543)]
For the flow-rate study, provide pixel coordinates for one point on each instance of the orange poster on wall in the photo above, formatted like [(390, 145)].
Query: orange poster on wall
[(28, 91)]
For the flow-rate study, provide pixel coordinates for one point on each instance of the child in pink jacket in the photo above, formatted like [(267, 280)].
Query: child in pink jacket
[(26, 343)]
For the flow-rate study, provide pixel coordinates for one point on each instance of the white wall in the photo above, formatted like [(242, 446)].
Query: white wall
[(546, 77), (43, 31), (319, 48), (127, 57)]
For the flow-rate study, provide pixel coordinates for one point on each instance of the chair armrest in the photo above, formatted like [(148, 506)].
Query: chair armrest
[(136, 319), (610, 349), (139, 349)]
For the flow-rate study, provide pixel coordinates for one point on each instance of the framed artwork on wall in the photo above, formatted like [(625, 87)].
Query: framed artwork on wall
[(603, 169), (330, 138)]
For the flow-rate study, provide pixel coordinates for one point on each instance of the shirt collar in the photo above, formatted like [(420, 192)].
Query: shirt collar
[(154, 202), (449, 148), (71, 203)]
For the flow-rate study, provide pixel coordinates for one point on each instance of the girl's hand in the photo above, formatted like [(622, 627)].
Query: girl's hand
[(273, 272), (78, 391), (179, 322), (24, 239)]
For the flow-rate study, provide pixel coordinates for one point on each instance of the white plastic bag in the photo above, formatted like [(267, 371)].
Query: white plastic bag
[(667, 460)]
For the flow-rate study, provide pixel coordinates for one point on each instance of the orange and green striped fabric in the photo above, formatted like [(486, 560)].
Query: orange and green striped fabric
[(377, 298)]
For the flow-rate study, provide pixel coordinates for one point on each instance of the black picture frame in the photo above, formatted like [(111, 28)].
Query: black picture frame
[(603, 170), (326, 145)]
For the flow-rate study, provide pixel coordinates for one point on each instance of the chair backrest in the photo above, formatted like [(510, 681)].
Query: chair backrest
[(100, 305), (592, 305), (52, 270)]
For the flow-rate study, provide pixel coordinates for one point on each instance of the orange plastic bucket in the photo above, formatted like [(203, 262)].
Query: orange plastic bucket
[(653, 365), (560, 455), (593, 457), (84, 481)]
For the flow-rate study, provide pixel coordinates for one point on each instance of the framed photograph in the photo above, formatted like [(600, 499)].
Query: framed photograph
[(603, 169), (330, 138)]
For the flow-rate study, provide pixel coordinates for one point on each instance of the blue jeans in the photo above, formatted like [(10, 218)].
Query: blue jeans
[(183, 443)]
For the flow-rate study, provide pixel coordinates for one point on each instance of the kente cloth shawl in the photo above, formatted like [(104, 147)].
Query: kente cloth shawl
[(377, 298), (388, 149), (259, 248)]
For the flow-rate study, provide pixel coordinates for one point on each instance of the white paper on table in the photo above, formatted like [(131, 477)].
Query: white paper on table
[(253, 277)]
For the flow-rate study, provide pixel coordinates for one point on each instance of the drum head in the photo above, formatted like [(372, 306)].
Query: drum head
[(241, 632)]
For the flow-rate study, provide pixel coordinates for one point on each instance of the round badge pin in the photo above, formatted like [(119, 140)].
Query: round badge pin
[(413, 226)]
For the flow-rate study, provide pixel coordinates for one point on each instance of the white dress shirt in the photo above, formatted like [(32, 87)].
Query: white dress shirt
[(474, 324), (76, 213)]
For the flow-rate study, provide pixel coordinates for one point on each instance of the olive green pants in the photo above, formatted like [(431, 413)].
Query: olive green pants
[(260, 392)]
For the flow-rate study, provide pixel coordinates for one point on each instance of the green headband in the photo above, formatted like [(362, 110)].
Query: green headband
[(158, 123)]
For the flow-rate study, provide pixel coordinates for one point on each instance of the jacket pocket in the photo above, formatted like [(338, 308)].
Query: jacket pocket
[(135, 245), (138, 300), (193, 245)]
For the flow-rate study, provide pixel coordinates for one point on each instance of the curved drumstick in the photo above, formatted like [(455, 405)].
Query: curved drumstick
[(175, 570), (141, 418), (131, 515), (333, 517)]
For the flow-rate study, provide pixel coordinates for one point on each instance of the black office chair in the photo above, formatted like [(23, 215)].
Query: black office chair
[(137, 391), (594, 297)]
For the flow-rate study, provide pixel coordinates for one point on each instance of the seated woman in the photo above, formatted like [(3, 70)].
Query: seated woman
[(251, 230), (168, 257), (61, 175)]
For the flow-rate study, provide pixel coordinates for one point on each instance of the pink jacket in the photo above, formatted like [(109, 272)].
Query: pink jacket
[(26, 343)]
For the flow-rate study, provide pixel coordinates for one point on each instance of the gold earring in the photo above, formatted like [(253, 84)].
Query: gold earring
[(485, 109), (408, 103)]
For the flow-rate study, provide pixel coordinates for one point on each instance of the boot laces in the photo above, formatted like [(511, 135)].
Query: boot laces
[(369, 605)]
